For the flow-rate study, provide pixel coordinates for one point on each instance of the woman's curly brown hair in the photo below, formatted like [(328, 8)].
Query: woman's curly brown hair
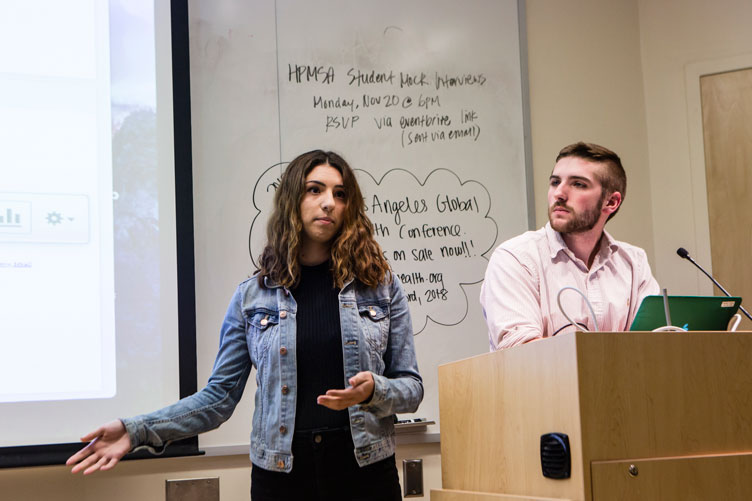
[(355, 254)]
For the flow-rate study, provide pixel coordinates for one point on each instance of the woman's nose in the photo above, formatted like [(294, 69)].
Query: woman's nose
[(327, 200)]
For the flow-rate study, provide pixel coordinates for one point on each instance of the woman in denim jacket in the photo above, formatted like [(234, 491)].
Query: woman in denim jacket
[(326, 325)]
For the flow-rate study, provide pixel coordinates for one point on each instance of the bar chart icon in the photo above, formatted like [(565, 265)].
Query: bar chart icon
[(15, 216), (61, 218)]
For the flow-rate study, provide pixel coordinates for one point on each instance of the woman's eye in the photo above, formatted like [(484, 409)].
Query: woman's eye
[(313, 189), (341, 194)]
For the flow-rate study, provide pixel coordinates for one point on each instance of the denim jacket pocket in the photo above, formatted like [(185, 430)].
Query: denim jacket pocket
[(374, 321), (262, 328)]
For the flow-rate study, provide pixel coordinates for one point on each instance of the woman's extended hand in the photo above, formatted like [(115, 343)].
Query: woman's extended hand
[(107, 444), (360, 390)]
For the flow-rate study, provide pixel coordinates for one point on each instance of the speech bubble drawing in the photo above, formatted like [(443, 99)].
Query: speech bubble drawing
[(263, 201), (434, 233)]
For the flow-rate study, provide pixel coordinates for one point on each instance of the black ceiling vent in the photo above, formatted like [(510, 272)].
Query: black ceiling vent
[(556, 462)]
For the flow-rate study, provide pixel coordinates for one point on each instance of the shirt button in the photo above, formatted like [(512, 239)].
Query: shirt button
[(283, 429), (317, 438), (283, 314), (280, 464), (285, 389), (283, 351)]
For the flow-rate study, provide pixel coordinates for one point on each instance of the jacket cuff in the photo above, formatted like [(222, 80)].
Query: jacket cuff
[(132, 427), (137, 434), (380, 388)]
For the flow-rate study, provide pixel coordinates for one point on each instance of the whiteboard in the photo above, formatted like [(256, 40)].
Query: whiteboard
[(424, 99)]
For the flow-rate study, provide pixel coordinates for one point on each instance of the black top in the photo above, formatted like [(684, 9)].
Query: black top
[(320, 364)]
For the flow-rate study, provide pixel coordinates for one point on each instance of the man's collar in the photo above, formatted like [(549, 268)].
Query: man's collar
[(608, 242), (556, 243)]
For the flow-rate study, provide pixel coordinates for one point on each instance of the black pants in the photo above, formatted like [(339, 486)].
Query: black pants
[(324, 469)]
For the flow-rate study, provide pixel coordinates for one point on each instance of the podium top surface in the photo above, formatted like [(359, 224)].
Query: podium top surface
[(624, 338)]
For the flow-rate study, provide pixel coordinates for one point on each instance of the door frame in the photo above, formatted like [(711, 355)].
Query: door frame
[(692, 74)]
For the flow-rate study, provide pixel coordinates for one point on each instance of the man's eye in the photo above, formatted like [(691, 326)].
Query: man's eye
[(554, 182), (578, 184)]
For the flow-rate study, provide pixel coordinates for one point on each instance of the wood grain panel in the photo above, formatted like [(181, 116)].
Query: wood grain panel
[(664, 394), (617, 395), (447, 495), (726, 477), (495, 407)]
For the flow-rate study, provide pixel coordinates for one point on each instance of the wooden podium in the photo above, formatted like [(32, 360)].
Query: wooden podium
[(649, 416)]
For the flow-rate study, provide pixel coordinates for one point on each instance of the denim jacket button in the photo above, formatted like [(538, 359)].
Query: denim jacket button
[(372, 312), (283, 314), (283, 351), (285, 389), (280, 464), (283, 429)]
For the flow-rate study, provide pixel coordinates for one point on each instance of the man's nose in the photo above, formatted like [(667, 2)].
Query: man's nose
[(560, 192)]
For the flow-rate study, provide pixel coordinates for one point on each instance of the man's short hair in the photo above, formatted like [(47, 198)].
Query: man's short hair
[(614, 179)]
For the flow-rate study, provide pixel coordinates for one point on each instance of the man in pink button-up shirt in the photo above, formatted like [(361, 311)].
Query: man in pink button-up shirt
[(526, 273)]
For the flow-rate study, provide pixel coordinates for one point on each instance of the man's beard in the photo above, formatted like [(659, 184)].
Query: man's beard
[(579, 223)]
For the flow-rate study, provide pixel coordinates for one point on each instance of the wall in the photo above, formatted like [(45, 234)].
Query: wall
[(145, 480), (586, 84), (142, 480)]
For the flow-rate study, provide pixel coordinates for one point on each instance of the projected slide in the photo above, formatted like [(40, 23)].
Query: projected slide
[(88, 251), (57, 293)]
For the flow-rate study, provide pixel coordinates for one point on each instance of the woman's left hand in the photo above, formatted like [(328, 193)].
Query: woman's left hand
[(360, 390)]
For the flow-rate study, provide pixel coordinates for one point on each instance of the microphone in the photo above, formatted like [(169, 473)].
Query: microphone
[(684, 254)]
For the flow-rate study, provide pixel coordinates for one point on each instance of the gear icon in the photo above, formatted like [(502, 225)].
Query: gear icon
[(54, 218)]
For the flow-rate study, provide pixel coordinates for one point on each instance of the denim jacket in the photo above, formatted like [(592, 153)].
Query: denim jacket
[(259, 330)]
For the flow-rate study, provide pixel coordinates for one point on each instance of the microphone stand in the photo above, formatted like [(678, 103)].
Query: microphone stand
[(682, 252)]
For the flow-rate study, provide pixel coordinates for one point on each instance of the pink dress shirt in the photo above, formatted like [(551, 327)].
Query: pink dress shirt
[(526, 273)]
